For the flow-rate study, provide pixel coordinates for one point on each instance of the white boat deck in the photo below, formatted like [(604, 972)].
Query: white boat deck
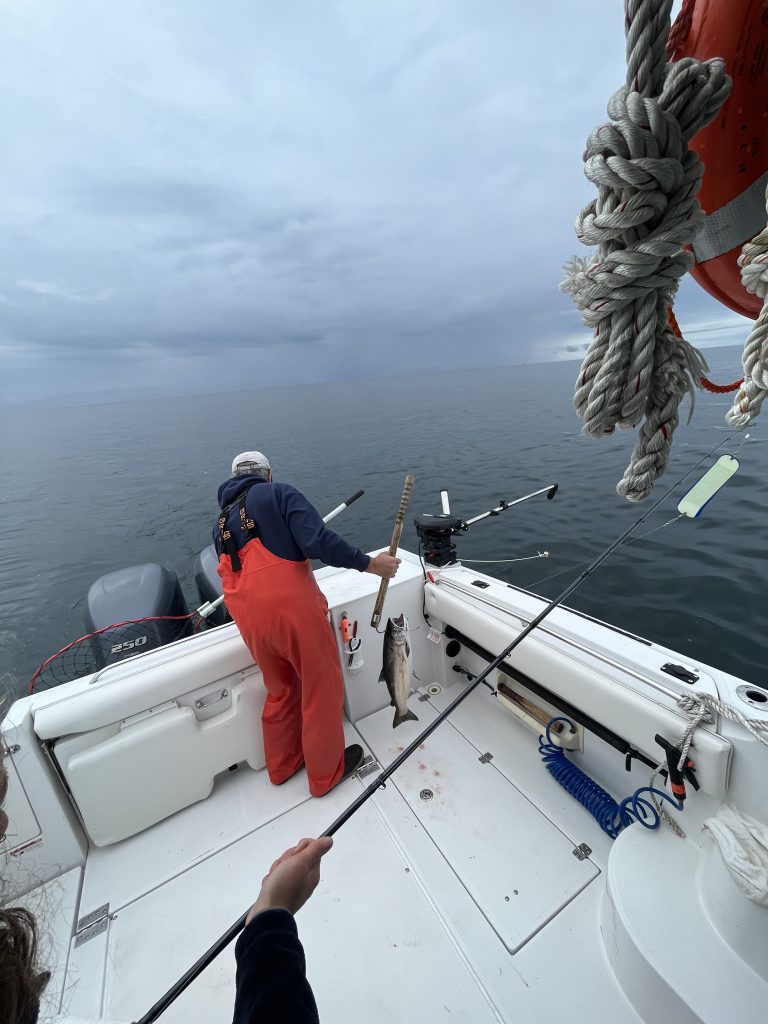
[(485, 914), (454, 894)]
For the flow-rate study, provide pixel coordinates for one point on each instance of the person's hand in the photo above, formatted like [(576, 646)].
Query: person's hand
[(383, 565), (292, 878)]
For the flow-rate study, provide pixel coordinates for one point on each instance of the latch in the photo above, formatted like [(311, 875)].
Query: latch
[(212, 698), (92, 924)]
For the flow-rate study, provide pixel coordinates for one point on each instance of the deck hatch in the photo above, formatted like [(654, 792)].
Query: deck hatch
[(516, 865)]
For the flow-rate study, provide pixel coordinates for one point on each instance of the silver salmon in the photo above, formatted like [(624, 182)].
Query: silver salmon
[(396, 670)]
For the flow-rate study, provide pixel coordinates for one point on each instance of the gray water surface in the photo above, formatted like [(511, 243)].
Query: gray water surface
[(90, 489)]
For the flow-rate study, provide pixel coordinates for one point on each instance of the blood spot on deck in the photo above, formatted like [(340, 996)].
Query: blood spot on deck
[(435, 772), (422, 766)]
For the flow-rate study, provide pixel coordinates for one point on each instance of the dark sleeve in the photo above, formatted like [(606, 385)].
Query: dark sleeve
[(271, 983), (313, 536)]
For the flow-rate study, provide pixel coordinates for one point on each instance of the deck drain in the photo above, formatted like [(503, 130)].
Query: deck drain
[(426, 794), (753, 695), (433, 689)]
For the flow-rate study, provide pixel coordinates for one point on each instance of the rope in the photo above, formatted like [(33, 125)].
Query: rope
[(668, 820), (645, 213), (754, 276), (680, 29), (701, 707)]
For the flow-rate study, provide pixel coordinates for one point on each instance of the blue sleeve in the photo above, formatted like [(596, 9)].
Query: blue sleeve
[(271, 982), (312, 535)]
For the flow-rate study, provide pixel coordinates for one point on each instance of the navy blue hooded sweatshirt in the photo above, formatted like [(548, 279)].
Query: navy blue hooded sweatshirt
[(286, 524)]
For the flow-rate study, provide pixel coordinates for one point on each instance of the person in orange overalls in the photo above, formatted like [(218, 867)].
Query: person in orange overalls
[(265, 536)]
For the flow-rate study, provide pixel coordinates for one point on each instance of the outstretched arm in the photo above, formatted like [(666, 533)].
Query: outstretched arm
[(317, 541), (271, 971)]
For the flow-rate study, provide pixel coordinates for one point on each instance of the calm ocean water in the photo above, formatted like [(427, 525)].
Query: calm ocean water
[(90, 489)]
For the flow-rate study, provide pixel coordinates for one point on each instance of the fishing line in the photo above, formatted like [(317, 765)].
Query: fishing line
[(500, 561), (633, 540), (379, 782)]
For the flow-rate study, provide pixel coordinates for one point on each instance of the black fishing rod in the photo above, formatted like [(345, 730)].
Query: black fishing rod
[(228, 936)]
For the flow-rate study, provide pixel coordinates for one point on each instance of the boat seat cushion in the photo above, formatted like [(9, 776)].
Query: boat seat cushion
[(127, 776)]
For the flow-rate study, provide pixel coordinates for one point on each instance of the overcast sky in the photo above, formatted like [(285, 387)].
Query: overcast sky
[(201, 196)]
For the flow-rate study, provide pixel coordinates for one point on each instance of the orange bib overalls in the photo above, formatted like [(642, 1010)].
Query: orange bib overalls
[(283, 618)]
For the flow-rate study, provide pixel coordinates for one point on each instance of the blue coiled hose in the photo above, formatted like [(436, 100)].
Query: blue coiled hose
[(610, 816)]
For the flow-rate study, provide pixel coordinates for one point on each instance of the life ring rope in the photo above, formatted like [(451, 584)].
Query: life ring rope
[(705, 382)]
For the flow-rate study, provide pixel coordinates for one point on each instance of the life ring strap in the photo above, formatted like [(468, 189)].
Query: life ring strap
[(705, 382)]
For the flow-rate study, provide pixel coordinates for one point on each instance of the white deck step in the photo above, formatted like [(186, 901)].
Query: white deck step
[(668, 956)]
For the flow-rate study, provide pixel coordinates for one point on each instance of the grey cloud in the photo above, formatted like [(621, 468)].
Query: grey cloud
[(377, 187), (159, 198)]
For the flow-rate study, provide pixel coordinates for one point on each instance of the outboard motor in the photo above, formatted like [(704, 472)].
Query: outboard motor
[(140, 592), (208, 584)]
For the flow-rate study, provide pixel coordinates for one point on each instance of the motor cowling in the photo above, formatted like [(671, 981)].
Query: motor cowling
[(143, 605)]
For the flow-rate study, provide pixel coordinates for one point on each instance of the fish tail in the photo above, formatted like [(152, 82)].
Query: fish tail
[(407, 716)]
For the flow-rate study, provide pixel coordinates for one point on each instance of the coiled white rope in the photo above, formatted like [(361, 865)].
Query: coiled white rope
[(645, 213), (754, 276)]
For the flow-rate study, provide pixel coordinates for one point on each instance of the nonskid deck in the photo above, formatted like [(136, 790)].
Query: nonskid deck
[(396, 931)]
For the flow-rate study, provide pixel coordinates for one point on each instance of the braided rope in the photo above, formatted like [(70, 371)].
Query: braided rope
[(645, 213), (754, 276), (702, 707), (680, 30)]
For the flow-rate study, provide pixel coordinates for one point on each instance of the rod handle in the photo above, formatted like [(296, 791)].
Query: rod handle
[(355, 496)]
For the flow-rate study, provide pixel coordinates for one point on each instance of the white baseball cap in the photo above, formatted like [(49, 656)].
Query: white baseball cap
[(250, 462)]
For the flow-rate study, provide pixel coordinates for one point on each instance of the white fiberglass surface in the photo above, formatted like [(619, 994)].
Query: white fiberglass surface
[(376, 951), (392, 933), (517, 866)]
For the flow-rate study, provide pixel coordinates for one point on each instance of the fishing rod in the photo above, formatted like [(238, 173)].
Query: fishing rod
[(210, 606), (165, 1001)]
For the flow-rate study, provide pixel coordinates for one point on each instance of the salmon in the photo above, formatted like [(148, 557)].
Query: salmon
[(396, 669)]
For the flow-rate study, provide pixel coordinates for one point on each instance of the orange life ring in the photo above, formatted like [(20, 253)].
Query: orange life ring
[(734, 147)]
